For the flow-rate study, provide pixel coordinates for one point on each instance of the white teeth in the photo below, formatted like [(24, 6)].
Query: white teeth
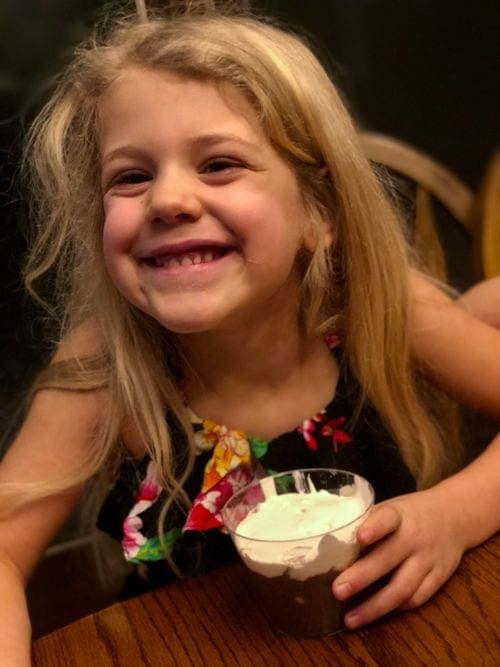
[(188, 259), (208, 256)]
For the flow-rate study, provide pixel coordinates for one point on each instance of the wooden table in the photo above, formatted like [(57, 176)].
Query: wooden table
[(213, 620)]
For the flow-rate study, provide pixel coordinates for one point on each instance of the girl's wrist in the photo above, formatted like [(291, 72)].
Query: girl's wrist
[(450, 494), (472, 504)]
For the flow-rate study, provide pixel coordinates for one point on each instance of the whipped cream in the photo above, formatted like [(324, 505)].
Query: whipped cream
[(292, 516), (302, 534)]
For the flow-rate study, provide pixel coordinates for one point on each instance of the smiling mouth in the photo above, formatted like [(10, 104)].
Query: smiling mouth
[(193, 257)]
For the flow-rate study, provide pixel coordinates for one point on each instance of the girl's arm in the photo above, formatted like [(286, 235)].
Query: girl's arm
[(483, 301), (15, 637), (53, 441), (420, 538), (456, 351)]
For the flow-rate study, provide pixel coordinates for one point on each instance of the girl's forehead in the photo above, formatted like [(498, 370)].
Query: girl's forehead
[(139, 96), (161, 83)]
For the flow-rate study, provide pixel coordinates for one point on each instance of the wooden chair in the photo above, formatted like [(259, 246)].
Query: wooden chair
[(478, 215), (485, 222), (432, 180)]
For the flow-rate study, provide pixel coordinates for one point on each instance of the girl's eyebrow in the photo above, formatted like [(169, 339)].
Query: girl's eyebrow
[(126, 150), (202, 141), (207, 140)]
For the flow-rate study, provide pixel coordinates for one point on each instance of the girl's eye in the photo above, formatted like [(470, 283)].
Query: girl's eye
[(220, 165), (130, 178)]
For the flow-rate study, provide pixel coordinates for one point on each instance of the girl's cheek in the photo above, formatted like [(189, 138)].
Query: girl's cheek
[(114, 244), (107, 243), (117, 266), (108, 254), (116, 231)]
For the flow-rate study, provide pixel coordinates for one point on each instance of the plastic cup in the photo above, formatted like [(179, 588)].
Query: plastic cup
[(292, 577)]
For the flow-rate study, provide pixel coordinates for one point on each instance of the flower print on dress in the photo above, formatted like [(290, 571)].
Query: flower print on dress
[(231, 449), (229, 468), (132, 539), (148, 493), (156, 549), (258, 446), (211, 500), (205, 511), (312, 429), (339, 437), (204, 440), (309, 429)]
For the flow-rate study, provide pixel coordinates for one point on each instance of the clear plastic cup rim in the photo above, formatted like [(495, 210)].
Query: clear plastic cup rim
[(308, 537)]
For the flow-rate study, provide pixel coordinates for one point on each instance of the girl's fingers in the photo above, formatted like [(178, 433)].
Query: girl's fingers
[(371, 567), (426, 589), (384, 520), (404, 585)]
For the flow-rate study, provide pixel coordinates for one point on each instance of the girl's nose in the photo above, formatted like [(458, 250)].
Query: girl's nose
[(174, 199)]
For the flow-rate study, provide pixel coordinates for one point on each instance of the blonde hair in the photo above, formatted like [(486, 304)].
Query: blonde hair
[(359, 286)]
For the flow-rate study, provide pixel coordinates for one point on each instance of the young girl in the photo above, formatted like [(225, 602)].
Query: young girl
[(234, 291)]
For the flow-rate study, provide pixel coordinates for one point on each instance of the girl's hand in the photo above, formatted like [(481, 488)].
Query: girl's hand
[(419, 539)]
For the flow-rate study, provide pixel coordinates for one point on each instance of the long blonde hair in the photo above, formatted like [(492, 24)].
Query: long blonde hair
[(360, 286)]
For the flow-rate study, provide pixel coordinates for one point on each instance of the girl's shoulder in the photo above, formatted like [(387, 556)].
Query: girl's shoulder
[(86, 341)]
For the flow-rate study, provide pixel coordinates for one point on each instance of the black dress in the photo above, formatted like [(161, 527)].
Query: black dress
[(339, 436)]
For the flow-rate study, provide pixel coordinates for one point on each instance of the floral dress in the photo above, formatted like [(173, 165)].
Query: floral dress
[(339, 436)]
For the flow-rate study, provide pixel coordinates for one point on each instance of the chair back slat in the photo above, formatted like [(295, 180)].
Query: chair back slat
[(433, 181), (445, 186)]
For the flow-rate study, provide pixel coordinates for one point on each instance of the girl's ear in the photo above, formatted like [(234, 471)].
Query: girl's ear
[(320, 234), (323, 230), (330, 233)]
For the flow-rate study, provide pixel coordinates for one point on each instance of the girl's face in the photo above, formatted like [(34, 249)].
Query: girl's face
[(203, 219)]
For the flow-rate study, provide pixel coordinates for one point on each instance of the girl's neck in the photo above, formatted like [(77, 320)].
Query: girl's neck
[(254, 356), (261, 381)]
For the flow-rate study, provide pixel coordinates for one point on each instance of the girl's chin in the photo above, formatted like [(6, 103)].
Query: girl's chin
[(185, 326), (187, 329), (185, 315)]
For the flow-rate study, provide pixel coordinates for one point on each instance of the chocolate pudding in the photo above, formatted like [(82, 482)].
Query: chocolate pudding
[(302, 608)]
